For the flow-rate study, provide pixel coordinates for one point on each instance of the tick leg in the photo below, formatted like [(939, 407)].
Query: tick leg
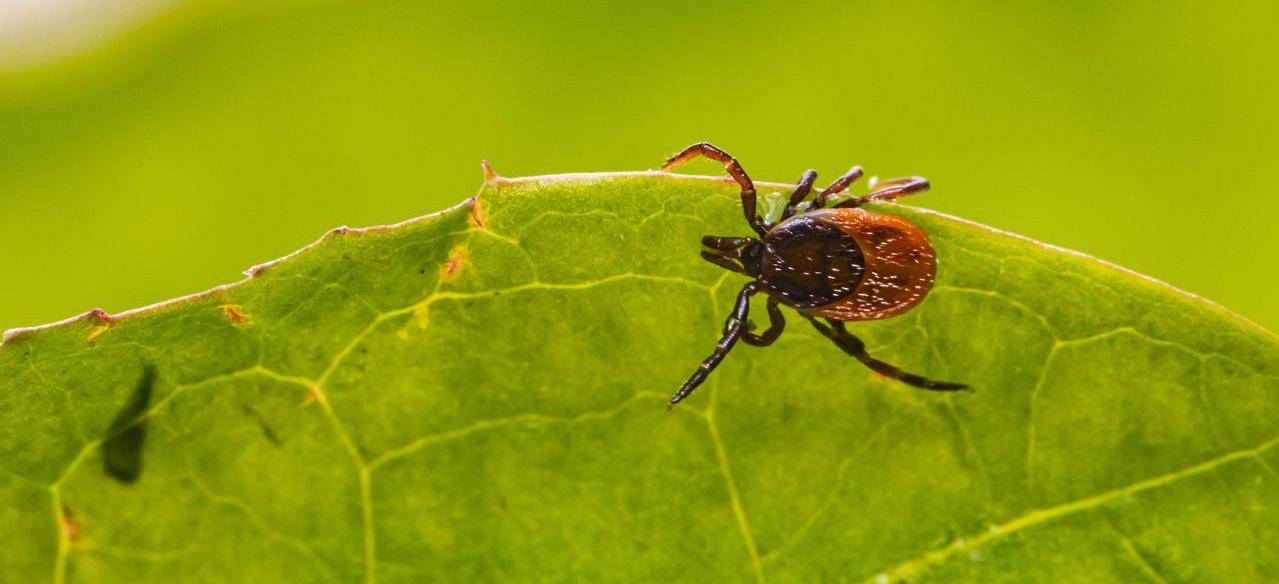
[(835, 331), (733, 329), (840, 185), (734, 169), (889, 189), (776, 324), (725, 243), (723, 262), (802, 190)]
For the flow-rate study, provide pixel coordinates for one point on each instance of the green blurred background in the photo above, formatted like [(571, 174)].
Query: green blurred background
[(219, 135)]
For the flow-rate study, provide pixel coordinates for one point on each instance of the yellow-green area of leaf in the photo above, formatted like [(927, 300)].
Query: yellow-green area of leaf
[(478, 395)]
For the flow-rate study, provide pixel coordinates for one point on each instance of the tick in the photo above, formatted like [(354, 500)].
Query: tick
[(831, 265)]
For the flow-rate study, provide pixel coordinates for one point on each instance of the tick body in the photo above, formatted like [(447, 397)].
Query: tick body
[(830, 264)]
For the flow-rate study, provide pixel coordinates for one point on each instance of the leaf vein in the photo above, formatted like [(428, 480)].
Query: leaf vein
[(257, 520), (735, 500), (498, 423), (831, 496), (911, 568)]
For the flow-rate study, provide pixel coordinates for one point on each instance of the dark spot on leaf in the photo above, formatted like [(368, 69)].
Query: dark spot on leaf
[(267, 431), (122, 449)]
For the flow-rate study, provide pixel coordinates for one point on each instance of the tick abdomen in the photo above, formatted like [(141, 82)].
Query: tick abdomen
[(849, 264), (900, 265)]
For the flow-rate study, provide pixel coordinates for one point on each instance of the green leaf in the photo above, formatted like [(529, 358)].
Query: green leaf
[(479, 395)]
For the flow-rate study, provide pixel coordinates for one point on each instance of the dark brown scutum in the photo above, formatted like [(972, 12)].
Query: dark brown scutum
[(810, 263)]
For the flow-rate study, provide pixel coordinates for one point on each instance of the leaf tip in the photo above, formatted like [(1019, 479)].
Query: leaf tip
[(490, 176)]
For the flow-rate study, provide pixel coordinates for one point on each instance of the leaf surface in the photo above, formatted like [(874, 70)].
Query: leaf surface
[(478, 395)]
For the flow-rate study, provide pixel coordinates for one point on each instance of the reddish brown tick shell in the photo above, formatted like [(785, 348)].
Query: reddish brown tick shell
[(901, 265)]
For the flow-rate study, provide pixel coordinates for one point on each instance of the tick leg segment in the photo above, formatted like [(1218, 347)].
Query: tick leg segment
[(722, 261), (725, 243), (889, 189), (734, 169), (802, 190), (776, 324), (835, 331), (840, 185), (733, 329)]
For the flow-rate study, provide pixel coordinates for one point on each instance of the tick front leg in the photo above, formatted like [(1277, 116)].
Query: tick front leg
[(835, 331), (776, 324), (890, 189), (802, 190), (840, 185), (733, 329), (734, 169)]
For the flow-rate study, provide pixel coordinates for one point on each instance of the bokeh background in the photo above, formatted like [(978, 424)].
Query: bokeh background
[(158, 150)]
